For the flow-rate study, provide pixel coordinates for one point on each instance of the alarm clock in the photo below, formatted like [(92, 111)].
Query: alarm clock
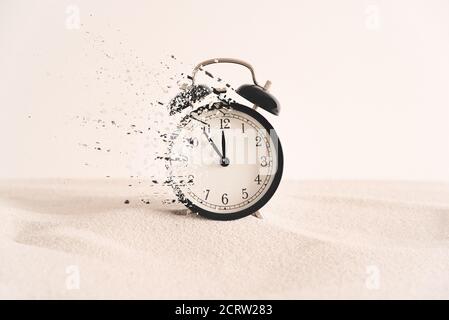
[(226, 159)]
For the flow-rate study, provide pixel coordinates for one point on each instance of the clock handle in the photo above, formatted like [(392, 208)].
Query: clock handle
[(224, 60)]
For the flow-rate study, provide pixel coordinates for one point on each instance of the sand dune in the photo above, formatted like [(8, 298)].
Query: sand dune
[(317, 240)]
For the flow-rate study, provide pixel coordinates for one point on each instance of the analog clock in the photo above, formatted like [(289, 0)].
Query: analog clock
[(226, 161)]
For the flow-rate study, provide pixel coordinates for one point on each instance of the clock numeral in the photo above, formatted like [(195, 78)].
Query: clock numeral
[(263, 161), (257, 179), (243, 128), (193, 142), (190, 178), (224, 123), (258, 141), (204, 128), (207, 193), (224, 198), (244, 194)]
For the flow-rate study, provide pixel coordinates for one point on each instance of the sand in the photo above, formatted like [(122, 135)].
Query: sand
[(74, 239)]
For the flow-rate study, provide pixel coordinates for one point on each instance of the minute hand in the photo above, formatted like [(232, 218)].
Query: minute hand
[(223, 144)]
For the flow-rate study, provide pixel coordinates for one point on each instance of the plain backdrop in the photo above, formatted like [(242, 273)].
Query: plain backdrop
[(364, 85)]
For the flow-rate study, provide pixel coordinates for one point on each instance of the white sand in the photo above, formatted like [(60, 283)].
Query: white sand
[(317, 240)]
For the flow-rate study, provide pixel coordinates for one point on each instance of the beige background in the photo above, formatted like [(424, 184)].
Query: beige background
[(364, 85)]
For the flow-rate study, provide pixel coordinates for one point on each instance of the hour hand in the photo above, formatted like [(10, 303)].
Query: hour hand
[(212, 143)]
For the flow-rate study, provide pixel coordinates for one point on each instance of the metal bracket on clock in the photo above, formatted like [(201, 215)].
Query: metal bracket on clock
[(258, 215), (184, 212)]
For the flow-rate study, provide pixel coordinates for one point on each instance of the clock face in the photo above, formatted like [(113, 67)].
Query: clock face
[(226, 161)]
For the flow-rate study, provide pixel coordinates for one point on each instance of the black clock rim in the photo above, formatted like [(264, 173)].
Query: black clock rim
[(273, 186)]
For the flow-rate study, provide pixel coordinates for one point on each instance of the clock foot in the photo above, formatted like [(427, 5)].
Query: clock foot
[(258, 215), (182, 212)]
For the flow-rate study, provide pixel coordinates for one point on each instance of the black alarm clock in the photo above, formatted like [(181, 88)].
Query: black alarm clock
[(229, 155)]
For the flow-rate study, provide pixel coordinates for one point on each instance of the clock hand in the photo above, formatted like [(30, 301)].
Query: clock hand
[(212, 143), (223, 144), (224, 160), (199, 120)]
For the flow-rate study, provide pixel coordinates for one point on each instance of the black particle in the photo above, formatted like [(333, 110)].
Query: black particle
[(126, 201), (185, 99)]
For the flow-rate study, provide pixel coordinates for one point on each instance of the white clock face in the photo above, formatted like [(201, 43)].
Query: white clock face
[(223, 160)]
